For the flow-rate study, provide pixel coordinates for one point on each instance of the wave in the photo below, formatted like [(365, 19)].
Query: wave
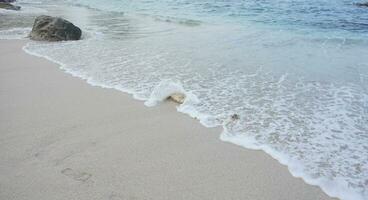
[(186, 22), (15, 33)]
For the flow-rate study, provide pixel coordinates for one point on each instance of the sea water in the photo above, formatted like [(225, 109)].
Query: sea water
[(289, 77)]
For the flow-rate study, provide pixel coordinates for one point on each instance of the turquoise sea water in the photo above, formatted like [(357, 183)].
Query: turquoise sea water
[(296, 14), (294, 71)]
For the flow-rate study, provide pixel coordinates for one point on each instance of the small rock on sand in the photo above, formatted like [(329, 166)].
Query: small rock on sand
[(177, 97), (235, 117)]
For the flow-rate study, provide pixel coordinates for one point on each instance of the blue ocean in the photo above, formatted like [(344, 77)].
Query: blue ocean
[(289, 77)]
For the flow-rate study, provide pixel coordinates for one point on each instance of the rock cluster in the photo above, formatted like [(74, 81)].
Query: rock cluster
[(6, 4), (47, 28)]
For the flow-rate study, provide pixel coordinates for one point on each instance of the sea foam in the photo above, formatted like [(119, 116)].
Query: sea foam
[(163, 90), (14, 33)]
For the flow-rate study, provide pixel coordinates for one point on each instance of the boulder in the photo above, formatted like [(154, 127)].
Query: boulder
[(362, 4), (8, 6), (177, 98), (47, 28)]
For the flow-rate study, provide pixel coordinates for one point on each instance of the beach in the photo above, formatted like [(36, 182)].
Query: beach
[(61, 138)]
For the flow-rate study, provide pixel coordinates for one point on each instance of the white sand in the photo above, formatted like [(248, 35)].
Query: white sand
[(61, 138)]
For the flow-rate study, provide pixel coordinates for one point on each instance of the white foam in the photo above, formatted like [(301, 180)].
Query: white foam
[(14, 33)]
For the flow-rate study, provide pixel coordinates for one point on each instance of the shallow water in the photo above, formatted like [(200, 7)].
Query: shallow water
[(294, 71)]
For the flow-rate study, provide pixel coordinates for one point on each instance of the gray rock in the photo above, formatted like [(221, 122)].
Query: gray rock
[(47, 28), (8, 6)]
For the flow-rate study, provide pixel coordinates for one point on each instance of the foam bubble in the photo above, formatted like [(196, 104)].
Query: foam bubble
[(163, 90)]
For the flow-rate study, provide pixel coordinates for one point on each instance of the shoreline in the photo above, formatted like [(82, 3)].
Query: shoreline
[(73, 138)]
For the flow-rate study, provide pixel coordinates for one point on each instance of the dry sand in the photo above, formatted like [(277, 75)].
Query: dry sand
[(61, 138)]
